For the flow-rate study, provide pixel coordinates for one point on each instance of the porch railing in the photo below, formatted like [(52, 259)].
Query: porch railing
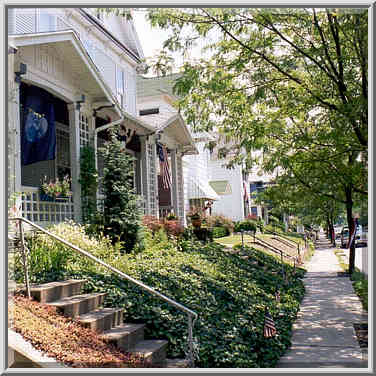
[(192, 316), (36, 210)]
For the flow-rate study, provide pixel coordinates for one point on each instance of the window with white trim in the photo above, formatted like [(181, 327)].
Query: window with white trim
[(120, 86)]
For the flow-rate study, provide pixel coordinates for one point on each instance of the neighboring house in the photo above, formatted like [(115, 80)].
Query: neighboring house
[(155, 106), (231, 186), (237, 187), (257, 184), (198, 191), (72, 75)]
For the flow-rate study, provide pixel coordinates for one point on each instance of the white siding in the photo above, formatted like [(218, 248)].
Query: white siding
[(232, 205), (31, 20), (130, 91)]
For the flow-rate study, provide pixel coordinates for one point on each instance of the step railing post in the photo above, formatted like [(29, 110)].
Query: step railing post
[(24, 259), (190, 341)]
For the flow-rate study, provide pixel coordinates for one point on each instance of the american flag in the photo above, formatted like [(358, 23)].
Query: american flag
[(277, 296), (269, 327), (164, 165)]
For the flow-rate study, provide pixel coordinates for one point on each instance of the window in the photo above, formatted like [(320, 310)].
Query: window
[(120, 83)]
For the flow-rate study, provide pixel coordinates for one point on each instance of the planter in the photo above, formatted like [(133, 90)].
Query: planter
[(45, 197)]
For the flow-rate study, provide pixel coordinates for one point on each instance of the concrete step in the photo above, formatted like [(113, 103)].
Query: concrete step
[(125, 336), (74, 306), (152, 351), (48, 292), (101, 319)]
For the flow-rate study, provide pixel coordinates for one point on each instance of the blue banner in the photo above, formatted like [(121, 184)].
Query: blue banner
[(38, 132)]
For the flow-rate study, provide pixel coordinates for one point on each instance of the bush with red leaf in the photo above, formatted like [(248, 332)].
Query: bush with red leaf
[(171, 227), (152, 223)]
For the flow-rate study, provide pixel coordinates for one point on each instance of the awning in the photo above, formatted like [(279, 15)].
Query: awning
[(74, 57), (221, 187), (199, 188)]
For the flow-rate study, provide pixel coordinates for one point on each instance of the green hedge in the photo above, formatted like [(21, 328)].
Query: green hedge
[(220, 232), (247, 225), (228, 292)]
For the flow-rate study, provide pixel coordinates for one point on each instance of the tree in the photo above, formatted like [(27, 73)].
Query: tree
[(121, 215), (290, 82)]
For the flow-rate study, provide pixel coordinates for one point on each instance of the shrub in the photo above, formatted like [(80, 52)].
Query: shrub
[(152, 223), (50, 259), (247, 225), (219, 232), (172, 227), (272, 219), (89, 183), (360, 284), (121, 215), (220, 221), (275, 227)]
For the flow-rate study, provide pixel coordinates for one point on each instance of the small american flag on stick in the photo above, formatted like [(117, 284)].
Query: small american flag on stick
[(164, 165), (269, 327), (277, 296)]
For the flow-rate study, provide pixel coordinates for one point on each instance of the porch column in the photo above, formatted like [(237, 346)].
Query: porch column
[(177, 189), (14, 130), (180, 189), (74, 138), (149, 178)]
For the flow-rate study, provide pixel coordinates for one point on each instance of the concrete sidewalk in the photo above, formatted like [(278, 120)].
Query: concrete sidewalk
[(323, 334)]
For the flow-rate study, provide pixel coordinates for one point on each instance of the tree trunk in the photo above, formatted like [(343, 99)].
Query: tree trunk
[(350, 222), (331, 229)]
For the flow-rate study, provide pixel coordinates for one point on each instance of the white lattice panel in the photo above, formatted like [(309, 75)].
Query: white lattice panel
[(45, 212), (152, 179), (84, 129)]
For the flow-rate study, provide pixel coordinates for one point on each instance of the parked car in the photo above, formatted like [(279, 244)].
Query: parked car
[(344, 237), (361, 237)]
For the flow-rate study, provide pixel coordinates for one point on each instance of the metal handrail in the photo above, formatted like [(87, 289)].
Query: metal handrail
[(270, 246), (275, 249), (282, 236), (172, 302)]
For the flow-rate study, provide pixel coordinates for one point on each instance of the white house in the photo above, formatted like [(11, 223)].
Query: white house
[(155, 106), (84, 65), (231, 186)]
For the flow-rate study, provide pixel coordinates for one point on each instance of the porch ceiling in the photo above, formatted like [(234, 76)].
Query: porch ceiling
[(74, 56), (176, 128)]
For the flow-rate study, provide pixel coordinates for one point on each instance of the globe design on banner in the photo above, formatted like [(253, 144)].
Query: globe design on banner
[(35, 127)]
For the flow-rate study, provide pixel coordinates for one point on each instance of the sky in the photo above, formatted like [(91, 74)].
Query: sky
[(151, 39)]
